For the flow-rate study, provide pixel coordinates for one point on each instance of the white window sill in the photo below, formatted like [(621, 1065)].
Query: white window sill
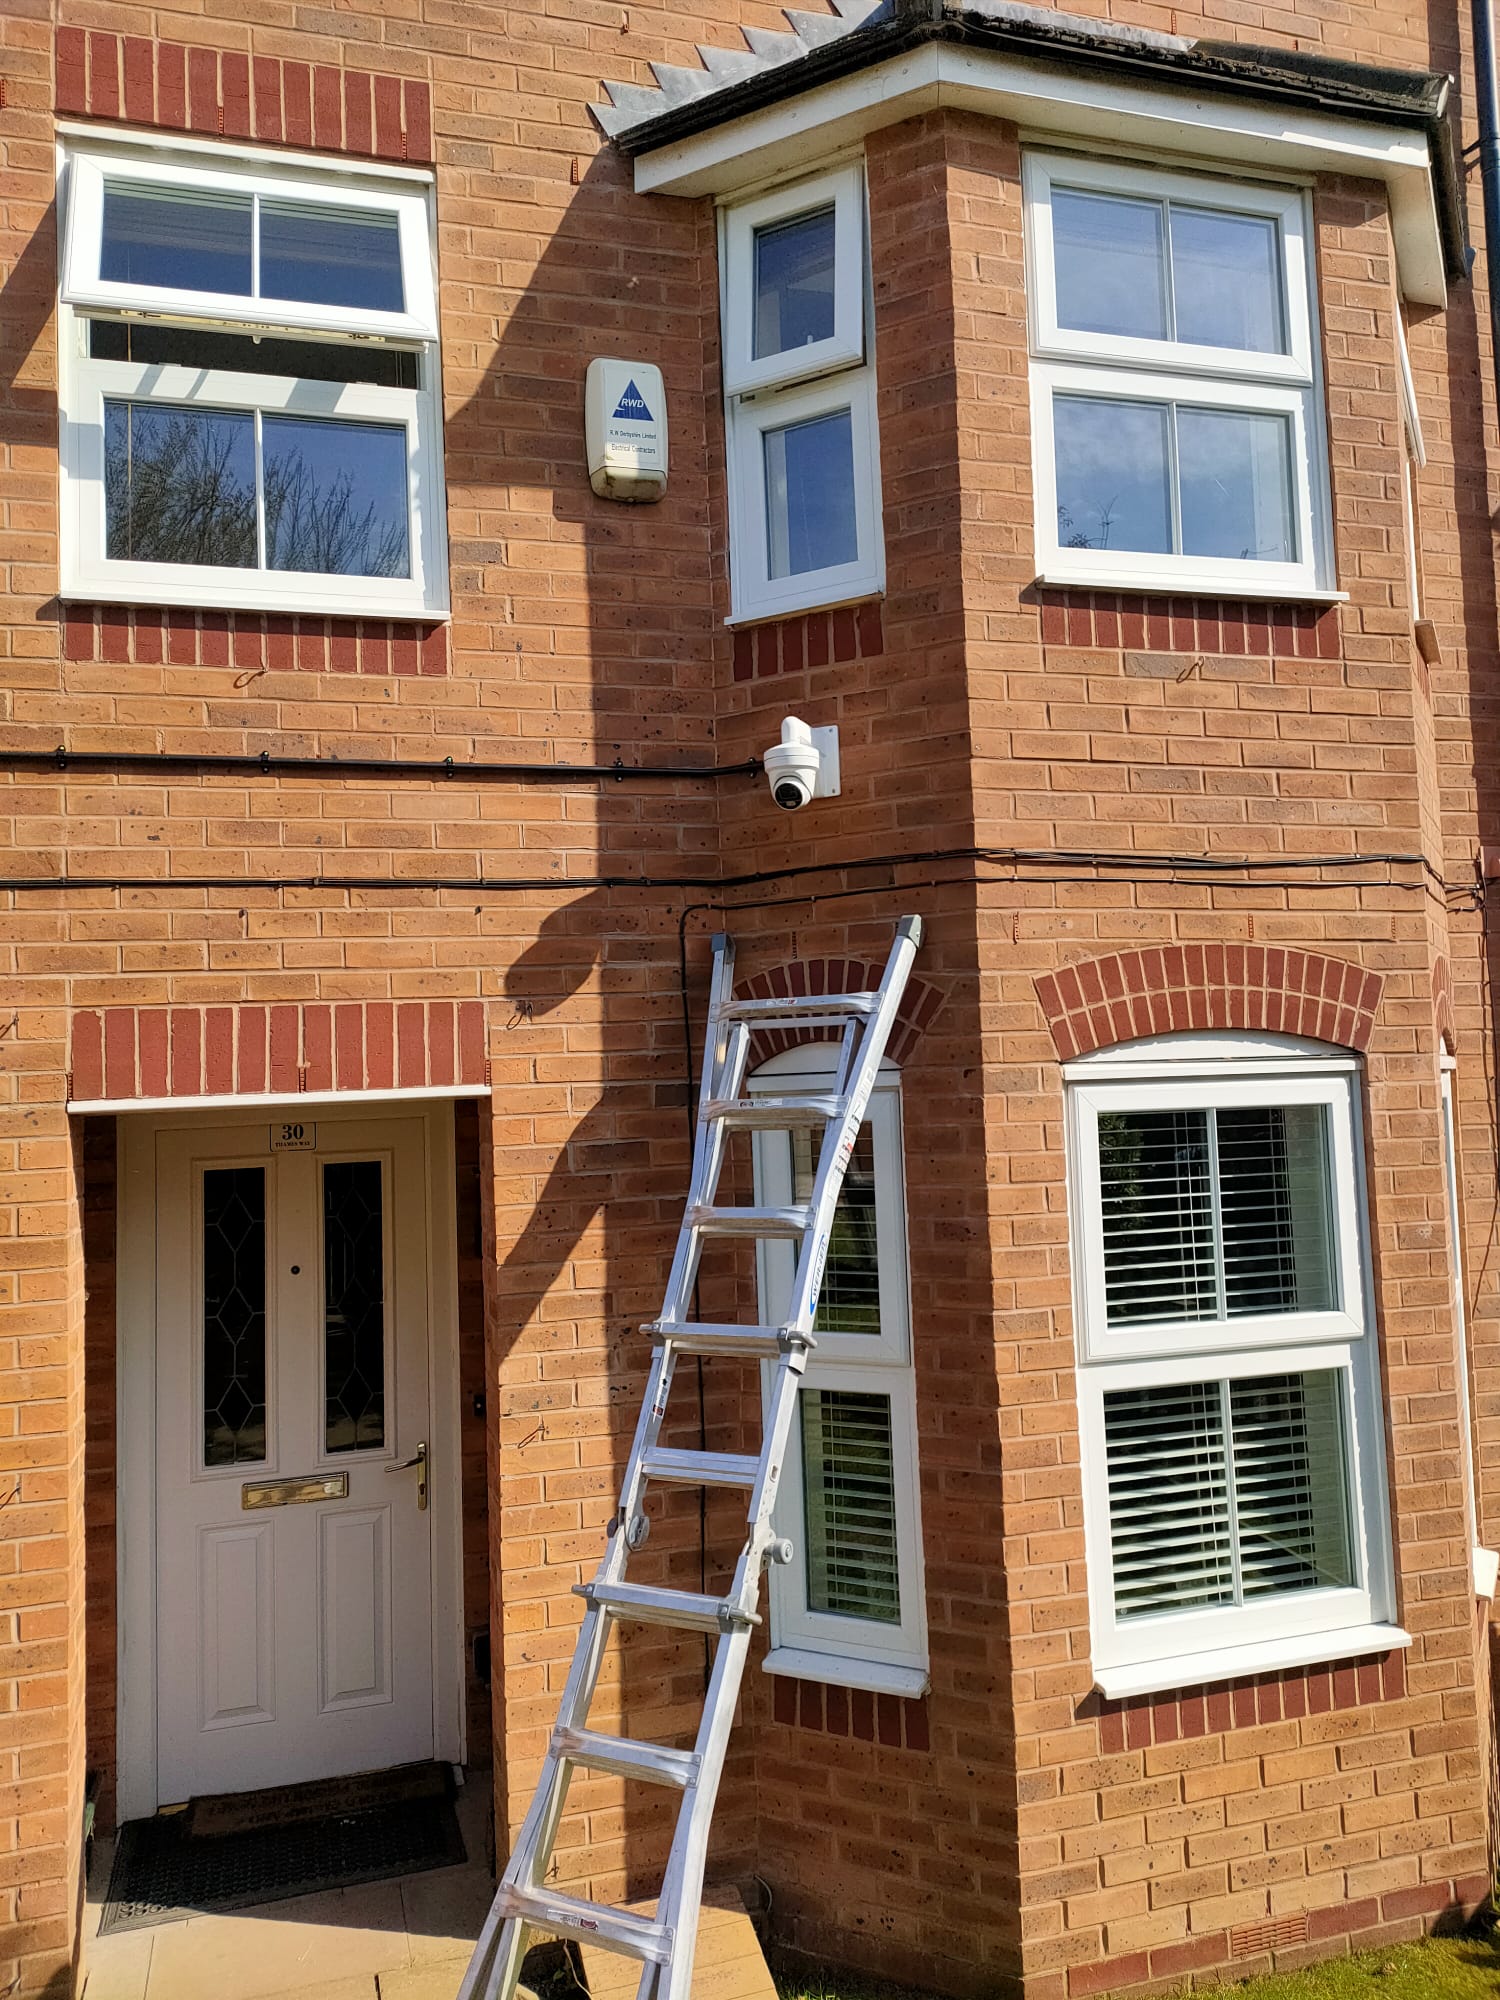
[(839, 1670), (1156, 584), (769, 614), (1242, 1663), (205, 598)]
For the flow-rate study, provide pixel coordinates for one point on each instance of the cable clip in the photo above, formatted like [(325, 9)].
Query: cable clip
[(265, 763), (448, 767), (62, 757)]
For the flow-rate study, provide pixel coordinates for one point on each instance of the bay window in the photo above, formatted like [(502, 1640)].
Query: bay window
[(804, 487), (249, 384), (1234, 1481), (1176, 400), (849, 1606)]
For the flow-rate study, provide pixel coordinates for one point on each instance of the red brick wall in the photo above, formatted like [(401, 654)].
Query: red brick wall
[(996, 1842)]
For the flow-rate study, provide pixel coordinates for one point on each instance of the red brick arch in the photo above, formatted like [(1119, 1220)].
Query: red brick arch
[(802, 976), (1166, 988)]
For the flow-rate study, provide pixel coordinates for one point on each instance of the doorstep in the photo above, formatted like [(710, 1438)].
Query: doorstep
[(407, 1939)]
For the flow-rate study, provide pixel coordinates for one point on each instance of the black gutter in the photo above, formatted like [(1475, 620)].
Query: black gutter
[(1414, 99), (269, 764)]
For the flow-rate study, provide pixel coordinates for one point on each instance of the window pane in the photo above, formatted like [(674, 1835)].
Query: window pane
[(179, 485), (305, 360), (1110, 268), (794, 264), (1170, 1536), (1291, 1484), (353, 1305), (850, 1299), (1277, 1196), (198, 242), (850, 1505), (810, 517), (330, 256), (234, 1316), (1226, 280), (335, 497), (1235, 473), (1156, 1192), (1113, 485)]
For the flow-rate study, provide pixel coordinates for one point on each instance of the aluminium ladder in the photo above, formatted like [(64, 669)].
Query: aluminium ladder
[(523, 1903)]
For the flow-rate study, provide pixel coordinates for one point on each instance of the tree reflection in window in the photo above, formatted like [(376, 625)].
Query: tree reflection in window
[(353, 1305)]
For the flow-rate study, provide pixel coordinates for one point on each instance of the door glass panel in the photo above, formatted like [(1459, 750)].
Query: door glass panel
[(234, 1315), (353, 1306)]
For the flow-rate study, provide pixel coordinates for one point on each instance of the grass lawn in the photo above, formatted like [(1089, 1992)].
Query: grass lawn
[(1464, 1968)]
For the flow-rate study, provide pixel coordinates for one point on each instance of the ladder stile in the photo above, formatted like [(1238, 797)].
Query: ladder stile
[(525, 1906)]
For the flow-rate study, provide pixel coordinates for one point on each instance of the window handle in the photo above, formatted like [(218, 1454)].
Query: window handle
[(419, 1460)]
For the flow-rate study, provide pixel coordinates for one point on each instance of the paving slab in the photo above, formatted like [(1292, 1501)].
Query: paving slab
[(728, 1964)]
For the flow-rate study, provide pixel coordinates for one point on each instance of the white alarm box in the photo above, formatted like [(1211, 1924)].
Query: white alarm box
[(625, 421)]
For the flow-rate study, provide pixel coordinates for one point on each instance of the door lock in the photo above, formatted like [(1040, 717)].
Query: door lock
[(419, 1460)]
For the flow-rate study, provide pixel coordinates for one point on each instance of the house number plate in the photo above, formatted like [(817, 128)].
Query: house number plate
[(288, 1492), (298, 1137)]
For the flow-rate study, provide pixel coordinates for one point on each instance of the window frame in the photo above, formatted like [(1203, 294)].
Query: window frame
[(826, 1646), (1161, 1650), (777, 391), (85, 383), (84, 289), (1126, 367)]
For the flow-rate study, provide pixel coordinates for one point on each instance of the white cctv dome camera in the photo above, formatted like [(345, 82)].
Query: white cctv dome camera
[(803, 766)]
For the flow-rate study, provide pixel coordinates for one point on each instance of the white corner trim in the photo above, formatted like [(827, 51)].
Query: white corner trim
[(842, 1670), (1486, 1571), (1241, 1663), (1062, 102), (83, 1107)]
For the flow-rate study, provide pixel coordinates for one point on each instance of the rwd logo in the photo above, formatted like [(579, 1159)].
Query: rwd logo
[(632, 406)]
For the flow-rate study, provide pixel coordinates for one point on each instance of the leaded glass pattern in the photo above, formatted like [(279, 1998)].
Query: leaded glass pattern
[(353, 1305), (234, 1316)]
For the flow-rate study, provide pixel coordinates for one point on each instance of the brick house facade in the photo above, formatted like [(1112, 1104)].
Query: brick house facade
[(1121, 814)]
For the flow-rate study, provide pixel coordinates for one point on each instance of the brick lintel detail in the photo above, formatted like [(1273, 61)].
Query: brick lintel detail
[(123, 1053), (1270, 989)]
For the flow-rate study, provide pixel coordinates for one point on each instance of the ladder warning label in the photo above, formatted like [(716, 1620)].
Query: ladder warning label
[(632, 406)]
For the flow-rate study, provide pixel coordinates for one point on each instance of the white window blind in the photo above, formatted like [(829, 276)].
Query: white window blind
[(1220, 1492), (849, 1505)]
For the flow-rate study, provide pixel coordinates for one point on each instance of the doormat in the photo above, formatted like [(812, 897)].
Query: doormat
[(231, 1852)]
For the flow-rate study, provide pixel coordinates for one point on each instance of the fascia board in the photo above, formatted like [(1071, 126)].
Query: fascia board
[(1057, 102)]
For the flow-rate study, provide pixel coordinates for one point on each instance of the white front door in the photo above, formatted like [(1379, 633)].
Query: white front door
[(293, 1542)]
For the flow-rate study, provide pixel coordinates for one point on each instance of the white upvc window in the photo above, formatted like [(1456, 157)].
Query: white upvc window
[(849, 1608), (1234, 1482), (1177, 408), (799, 383), (249, 383)]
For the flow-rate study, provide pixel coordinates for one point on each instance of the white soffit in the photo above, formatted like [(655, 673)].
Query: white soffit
[(1056, 102)]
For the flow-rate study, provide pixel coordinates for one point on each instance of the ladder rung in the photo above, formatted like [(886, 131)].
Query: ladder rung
[(645, 1604), (626, 1756), (752, 1343), (837, 1006), (700, 1468), (567, 1916), (773, 1114), (748, 1221)]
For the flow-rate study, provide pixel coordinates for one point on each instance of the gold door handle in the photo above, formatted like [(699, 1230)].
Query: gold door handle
[(419, 1460)]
